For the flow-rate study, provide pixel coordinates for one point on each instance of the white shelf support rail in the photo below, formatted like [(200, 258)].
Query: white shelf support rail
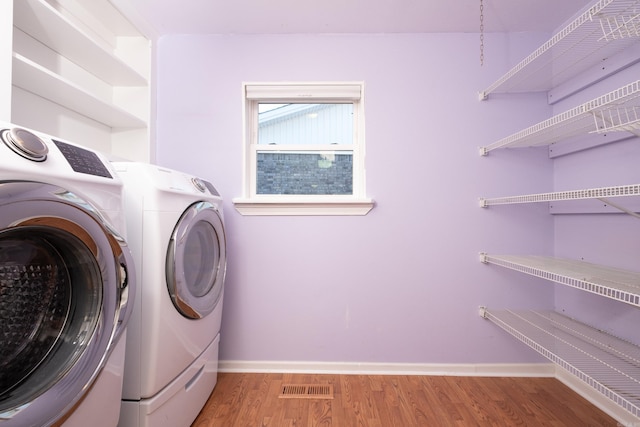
[(593, 36), (608, 364), (592, 193), (617, 284), (617, 110)]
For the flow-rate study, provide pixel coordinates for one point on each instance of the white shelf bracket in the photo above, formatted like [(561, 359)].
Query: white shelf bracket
[(482, 203), (483, 257), (482, 311), (620, 208)]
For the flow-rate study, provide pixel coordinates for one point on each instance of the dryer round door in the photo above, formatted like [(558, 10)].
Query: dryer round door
[(63, 300), (196, 261)]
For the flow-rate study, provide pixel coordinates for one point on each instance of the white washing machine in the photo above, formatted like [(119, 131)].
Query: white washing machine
[(66, 278), (177, 237)]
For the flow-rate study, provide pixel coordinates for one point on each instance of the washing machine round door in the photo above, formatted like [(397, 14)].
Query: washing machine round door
[(196, 261), (63, 300)]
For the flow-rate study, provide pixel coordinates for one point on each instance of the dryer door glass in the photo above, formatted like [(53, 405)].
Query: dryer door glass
[(196, 261), (201, 258)]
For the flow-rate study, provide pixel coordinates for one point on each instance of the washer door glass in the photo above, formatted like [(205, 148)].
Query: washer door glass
[(196, 261), (64, 300), (50, 302)]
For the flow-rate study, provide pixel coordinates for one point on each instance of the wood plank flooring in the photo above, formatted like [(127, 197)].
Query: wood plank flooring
[(248, 400)]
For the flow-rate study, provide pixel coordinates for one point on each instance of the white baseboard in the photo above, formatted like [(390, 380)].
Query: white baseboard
[(348, 368)]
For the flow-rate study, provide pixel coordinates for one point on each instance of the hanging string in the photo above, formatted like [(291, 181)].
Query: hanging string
[(481, 33)]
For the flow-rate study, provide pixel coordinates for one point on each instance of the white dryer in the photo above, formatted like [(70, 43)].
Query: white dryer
[(177, 237), (66, 276)]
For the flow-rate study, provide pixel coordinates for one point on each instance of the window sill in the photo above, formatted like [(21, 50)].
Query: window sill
[(293, 206)]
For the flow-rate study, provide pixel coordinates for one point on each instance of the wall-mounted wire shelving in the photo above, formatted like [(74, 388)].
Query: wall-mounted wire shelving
[(617, 284), (589, 193), (602, 40), (608, 364), (606, 28), (618, 110)]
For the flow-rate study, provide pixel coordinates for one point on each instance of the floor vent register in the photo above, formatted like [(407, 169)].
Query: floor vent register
[(306, 391)]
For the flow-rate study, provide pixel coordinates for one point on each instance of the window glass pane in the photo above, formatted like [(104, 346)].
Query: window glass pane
[(305, 123), (311, 172)]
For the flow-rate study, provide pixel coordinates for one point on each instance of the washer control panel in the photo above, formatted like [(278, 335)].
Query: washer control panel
[(81, 160), (33, 147)]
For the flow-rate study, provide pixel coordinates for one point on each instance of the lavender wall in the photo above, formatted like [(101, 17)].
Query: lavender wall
[(402, 284)]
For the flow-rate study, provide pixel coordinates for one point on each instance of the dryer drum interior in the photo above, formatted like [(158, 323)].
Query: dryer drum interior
[(50, 302)]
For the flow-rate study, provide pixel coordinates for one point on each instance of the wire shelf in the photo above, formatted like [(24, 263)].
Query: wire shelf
[(617, 284), (617, 119), (592, 193), (618, 110), (608, 364), (620, 26), (607, 27)]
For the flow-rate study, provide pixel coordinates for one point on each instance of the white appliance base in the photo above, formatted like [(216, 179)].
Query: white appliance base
[(98, 408), (180, 402)]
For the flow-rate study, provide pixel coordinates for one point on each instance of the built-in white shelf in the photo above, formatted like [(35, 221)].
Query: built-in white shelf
[(618, 110), (79, 70), (47, 25), (591, 193), (617, 284), (34, 78), (606, 28), (606, 363)]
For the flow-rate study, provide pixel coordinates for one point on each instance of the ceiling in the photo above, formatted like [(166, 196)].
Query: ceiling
[(162, 17)]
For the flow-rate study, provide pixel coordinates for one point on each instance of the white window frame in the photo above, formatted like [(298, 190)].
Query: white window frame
[(278, 204)]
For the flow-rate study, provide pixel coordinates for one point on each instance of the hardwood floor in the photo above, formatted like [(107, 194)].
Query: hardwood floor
[(249, 400)]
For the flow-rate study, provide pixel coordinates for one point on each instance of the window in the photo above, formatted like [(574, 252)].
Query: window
[(304, 150)]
